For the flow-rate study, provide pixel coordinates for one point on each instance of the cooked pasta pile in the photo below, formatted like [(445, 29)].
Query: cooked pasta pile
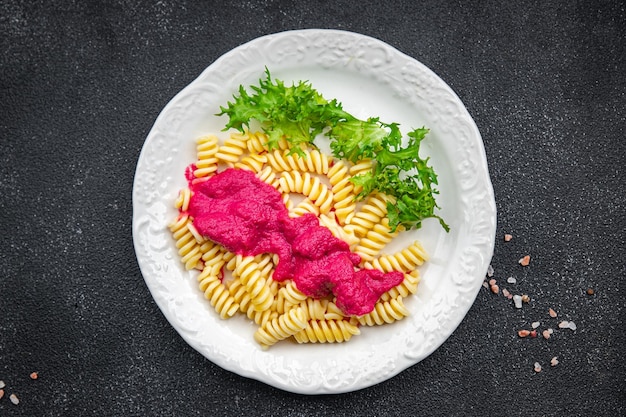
[(235, 283)]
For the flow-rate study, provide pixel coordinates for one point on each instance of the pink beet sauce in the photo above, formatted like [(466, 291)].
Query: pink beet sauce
[(248, 217)]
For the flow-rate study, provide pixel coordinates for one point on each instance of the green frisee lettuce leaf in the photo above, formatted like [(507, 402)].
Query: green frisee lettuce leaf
[(298, 113)]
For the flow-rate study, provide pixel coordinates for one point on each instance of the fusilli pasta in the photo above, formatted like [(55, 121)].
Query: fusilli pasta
[(234, 283), (281, 327), (186, 243), (385, 312), (217, 293), (207, 147), (327, 331)]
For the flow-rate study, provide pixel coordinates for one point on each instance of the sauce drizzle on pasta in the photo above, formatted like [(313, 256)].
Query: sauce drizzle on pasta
[(248, 217)]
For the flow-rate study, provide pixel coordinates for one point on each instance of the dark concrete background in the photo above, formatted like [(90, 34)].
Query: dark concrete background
[(81, 83)]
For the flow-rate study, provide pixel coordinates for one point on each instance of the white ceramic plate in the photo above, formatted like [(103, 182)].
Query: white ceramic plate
[(370, 78)]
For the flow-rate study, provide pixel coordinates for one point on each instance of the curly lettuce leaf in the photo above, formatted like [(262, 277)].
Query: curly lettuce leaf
[(298, 113)]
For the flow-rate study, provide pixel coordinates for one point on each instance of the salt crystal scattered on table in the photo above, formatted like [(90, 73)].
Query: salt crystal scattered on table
[(571, 325), (34, 375), (552, 313), (537, 367), (554, 361), (14, 399), (490, 271), (517, 299), (1, 393), (525, 261), (485, 284), (523, 333), (563, 324), (511, 280), (536, 324), (508, 237), (492, 282), (505, 292), (2, 384), (525, 298), (495, 289), (546, 334)]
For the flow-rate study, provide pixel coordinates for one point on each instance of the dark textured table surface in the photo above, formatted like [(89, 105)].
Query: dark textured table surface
[(81, 85)]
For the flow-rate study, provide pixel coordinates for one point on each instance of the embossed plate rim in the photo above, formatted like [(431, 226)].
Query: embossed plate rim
[(449, 285)]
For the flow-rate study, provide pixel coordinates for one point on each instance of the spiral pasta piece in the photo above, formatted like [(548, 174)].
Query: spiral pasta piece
[(362, 167), (256, 142), (268, 176), (333, 312), (240, 294), (281, 303), (214, 256), (344, 198), (232, 149), (217, 294), (261, 318), (254, 163), (406, 260), (207, 147), (385, 312), (292, 294), (314, 309), (291, 182), (317, 191), (186, 243), (407, 287), (327, 331), (247, 269), (375, 240), (182, 201), (276, 159), (371, 214), (265, 262), (309, 186), (312, 161), (303, 207), (287, 202), (280, 328)]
